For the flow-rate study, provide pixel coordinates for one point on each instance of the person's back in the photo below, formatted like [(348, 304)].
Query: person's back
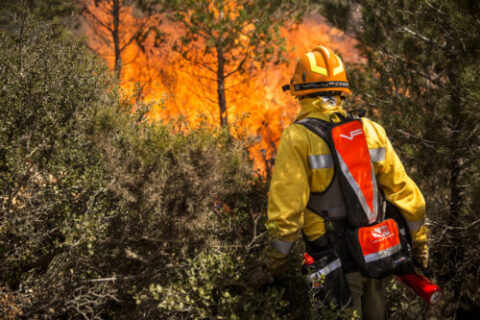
[(305, 188)]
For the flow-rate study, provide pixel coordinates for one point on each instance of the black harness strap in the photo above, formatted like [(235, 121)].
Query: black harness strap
[(335, 230)]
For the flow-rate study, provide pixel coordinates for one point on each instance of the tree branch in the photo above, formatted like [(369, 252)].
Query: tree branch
[(87, 10), (134, 35), (239, 67)]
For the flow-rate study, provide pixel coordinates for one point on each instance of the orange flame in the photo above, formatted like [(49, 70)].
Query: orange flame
[(255, 100)]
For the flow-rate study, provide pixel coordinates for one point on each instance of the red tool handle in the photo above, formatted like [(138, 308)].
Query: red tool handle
[(423, 287)]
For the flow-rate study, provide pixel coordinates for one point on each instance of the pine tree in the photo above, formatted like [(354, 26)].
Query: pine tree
[(422, 76), (230, 37)]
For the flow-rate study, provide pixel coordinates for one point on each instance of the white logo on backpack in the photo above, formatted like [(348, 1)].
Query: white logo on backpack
[(352, 134), (381, 232)]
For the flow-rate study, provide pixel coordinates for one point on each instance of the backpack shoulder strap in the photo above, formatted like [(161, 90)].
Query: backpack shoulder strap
[(317, 126)]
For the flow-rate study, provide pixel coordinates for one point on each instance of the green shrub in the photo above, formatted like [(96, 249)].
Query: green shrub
[(99, 205)]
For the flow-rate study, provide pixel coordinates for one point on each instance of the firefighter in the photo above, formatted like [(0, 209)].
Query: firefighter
[(304, 167)]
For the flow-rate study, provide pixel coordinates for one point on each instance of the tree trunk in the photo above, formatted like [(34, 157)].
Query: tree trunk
[(116, 37), (222, 103)]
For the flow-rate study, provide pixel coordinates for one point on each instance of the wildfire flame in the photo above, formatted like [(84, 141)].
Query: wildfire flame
[(255, 101)]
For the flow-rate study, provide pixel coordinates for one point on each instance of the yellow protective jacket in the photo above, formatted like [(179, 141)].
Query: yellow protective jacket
[(294, 179)]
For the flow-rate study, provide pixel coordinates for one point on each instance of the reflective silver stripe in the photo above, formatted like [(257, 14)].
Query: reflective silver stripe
[(382, 254), (332, 266), (282, 246), (372, 216), (375, 196), (415, 225), (377, 154), (320, 161), (403, 232)]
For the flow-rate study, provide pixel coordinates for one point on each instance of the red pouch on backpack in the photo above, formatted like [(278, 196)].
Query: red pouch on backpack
[(380, 249)]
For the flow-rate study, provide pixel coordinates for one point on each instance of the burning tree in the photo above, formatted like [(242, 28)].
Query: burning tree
[(228, 37), (150, 70), (107, 19)]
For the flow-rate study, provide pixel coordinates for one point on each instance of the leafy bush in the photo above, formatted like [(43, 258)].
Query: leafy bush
[(100, 207), (50, 181)]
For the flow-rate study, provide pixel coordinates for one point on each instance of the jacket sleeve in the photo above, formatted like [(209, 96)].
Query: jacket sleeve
[(399, 189), (288, 196)]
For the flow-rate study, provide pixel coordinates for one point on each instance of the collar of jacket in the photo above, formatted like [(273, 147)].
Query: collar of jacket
[(320, 108)]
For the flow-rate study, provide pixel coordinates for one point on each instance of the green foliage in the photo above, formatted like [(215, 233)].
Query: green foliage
[(215, 285), (49, 180), (38, 141), (403, 303), (56, 11)]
